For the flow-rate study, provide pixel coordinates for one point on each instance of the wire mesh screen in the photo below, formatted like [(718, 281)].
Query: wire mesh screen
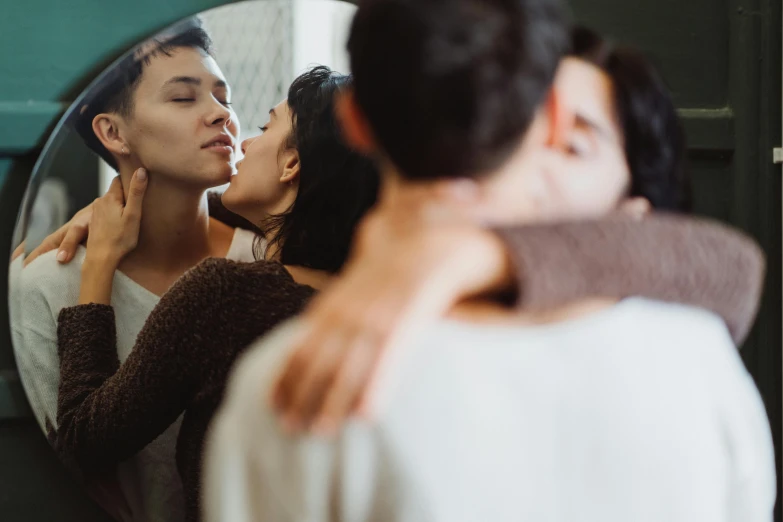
[(253, 45)]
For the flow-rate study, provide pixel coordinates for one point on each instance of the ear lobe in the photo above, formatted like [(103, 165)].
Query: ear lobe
[(355, 128), (636, 208), (107, 130)]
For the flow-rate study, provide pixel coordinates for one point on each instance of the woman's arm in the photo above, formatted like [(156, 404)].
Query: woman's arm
[(107, 412), (405, 271), (665, 257)]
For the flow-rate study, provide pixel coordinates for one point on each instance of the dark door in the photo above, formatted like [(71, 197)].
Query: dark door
[(722, 61)]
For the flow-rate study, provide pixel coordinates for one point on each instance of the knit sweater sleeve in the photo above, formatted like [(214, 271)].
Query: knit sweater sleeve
[(666, 257), (107, 412)]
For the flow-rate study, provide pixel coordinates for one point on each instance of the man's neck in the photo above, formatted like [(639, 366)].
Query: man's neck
[(174, 233)]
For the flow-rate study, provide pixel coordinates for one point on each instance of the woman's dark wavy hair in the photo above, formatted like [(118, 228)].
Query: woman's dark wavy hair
[(654, 137), (337, 185)]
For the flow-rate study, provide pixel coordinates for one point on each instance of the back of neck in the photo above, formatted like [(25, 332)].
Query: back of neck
[(318, 279)]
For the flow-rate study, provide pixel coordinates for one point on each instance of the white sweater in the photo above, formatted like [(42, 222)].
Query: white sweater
[(148, 483), (642, 412)]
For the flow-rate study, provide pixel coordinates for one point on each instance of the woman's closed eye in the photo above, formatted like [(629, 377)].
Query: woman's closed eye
[(580, 143), (576, 148), (263, 129)]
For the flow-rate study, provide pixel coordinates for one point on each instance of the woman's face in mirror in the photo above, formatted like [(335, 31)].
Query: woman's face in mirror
[(258, 188), (592, 173), (181, 123), (581, 174), (588, 175)]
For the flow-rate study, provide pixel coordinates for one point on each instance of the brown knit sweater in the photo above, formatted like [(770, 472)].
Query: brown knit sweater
[(183, 355), (180, 363)]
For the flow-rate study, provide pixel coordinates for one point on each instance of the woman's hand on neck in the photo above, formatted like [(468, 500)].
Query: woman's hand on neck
[(175, 228), (175, 234)]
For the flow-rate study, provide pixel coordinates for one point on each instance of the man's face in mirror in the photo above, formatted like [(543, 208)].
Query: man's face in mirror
[(181, 124)]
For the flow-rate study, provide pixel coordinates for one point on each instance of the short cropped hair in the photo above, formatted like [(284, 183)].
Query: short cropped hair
[(115, 93), (450, 87)]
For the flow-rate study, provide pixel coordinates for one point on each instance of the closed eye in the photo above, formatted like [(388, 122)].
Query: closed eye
[(182, 100), (578, 148)]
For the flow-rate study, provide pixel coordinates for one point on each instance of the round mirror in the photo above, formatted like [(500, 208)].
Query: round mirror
[(184, 105)]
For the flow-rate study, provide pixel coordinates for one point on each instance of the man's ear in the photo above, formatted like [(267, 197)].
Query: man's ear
[(291, 166), (636, 207), (560, 118), (107, 129), (356, 129)]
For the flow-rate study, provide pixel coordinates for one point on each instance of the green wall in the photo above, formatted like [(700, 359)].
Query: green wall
[(722, 59)]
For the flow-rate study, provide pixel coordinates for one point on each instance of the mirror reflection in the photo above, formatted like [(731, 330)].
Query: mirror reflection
[(196, 143)]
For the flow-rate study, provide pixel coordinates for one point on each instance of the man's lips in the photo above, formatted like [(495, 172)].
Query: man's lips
[(219, 141)]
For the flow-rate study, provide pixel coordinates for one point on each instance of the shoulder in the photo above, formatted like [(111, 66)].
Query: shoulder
[(237, 243), (48, 280), (247, 398), (245, 440), (674, 319), (256, 285), (257, 369), (40, 290), (243, 245), (221, 269), (694, 338), (46, 270)]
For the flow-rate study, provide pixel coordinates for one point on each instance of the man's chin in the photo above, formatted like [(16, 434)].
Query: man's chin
[(217, 177)]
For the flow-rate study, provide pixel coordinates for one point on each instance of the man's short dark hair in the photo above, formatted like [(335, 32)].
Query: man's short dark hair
[(115, 92), (450, 87)]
